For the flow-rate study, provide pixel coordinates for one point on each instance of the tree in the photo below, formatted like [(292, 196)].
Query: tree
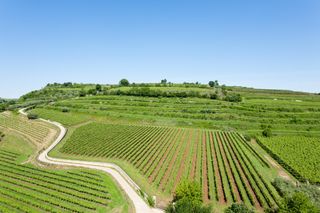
[(188, 199), (189, 190), (92, 92), (238, 208), (82, 93), (299, 202), (211, 83), (216, 83), (164, 81), (124, 82), (98, 88)]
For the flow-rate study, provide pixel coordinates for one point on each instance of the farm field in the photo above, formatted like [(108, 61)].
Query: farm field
[(301, 153), (227, 167), (286, 115), (25, 187)]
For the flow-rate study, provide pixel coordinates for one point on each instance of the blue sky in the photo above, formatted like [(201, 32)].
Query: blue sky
[(257, 43)]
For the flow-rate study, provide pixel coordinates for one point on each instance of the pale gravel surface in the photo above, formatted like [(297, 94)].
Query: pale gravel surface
[(125, 182)]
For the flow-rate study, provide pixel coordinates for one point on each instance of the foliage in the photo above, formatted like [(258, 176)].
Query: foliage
[(267, 132), (187, 198), (65, 109), (298, 155), (233, 98), (124, 83), (287, 189), (32, 116), (1, 136), (188, 190), (98, 87), (187, 206), (298, 203), (151, 201), (238, 208)]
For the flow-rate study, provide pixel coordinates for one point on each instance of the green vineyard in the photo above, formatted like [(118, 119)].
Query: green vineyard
[(28, 189), (291, 151), (34, 130), (227, 167)]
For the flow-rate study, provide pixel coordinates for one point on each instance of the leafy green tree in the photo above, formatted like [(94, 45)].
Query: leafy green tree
[(124, 82), (189, 190), (211, 83), (82, 93), (238, 208), (98, 87), (188, 199), (164, 81), (299, 202)]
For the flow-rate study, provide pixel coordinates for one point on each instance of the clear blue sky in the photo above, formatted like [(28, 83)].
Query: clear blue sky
[(258, 43)]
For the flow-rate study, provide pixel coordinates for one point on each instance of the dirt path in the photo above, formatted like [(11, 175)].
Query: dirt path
[(125, 182), (281, 172)]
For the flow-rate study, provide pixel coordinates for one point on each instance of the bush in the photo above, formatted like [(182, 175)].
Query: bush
[(32, 116), (65, 109), (298, 202), (187, 206), (1, 135), (188, 190), (151, 201), (188, 199), (233, 98), (238, 208), (267, 132)]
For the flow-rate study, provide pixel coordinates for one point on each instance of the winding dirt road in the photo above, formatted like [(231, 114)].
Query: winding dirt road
[(125, 182)]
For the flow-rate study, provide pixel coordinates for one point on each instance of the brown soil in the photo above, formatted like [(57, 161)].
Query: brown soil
[(221, 195)]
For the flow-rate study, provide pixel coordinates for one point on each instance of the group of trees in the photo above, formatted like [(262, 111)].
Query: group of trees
[(213, 83), (188, 199)]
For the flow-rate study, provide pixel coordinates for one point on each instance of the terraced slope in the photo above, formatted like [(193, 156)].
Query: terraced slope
[(27, 188), (226, 166), (35, 131)]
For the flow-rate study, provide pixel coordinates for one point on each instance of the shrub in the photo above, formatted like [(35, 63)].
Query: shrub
[(233, 98), (238, 208), (65, 109), (32, 116), (267, 132), (151, 201), (1, 135), (188, 190), (298, 202)]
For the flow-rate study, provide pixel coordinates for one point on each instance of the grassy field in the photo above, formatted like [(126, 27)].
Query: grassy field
[(226, 166), (28, 188)]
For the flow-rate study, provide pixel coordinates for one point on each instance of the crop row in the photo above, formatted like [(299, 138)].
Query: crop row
[(224, 164)]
